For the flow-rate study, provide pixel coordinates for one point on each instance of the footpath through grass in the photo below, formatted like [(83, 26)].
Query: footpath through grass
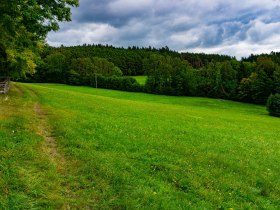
[(28, 178), (137, 151)]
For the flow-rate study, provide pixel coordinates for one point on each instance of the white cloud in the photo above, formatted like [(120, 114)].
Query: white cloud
[(240, 49), (125, 7), (261, 31), (85, 33)]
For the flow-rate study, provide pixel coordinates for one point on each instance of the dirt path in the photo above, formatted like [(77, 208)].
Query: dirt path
[(49, 146), (19, 90), (50, 150), (44, 129)]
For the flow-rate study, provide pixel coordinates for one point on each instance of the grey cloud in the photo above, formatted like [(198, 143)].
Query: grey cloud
[(105, 12), (179, 24)]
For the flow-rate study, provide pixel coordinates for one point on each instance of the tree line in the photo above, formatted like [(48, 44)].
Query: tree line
[(168, 72), (245, 81)]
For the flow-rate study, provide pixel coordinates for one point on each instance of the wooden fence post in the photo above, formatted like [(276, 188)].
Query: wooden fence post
[(4, 84)]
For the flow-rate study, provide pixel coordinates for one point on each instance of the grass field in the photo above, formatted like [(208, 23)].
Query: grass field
[(77, 147), (141, 79)]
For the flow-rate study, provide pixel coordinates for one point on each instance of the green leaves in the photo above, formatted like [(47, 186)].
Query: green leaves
[(273, 105), (24, 23)]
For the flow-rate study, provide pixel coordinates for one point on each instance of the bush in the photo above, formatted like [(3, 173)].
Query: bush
[(273, 105), (115, 83)]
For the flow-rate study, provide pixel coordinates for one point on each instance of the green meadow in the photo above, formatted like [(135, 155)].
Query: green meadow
[(66, 147), (140, 79)]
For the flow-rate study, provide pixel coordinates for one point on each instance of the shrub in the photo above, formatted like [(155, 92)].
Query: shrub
[(116, 83), (273, 105)]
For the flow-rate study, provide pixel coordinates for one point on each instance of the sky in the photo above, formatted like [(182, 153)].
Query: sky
[(232, 27)]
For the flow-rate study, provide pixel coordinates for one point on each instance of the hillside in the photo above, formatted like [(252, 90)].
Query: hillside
[(79, 147)]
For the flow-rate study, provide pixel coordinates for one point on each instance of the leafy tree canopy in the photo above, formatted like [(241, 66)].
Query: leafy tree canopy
[(273, 105), (24, 25)]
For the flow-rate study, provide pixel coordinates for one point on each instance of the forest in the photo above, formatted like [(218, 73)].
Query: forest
[(252, 79)]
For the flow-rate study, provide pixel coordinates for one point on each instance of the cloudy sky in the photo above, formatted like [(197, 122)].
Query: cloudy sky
[(234, 27)]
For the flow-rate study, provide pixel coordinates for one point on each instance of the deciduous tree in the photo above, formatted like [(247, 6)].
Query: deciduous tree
[(24, 25)]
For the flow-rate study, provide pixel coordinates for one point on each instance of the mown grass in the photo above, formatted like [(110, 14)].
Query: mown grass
[(28, 180), (140, 79), (137, 151)]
